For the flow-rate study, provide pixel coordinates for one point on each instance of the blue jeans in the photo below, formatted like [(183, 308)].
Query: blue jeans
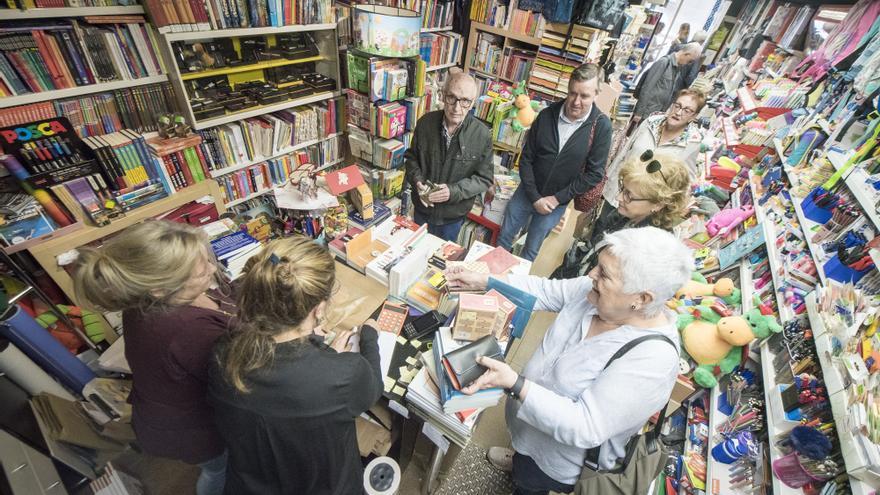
[(446, 231), (212, 479), (528, 479), (521, 214)]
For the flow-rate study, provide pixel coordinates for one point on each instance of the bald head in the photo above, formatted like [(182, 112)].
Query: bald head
[(459, 93), (461, 80), (688, 53)]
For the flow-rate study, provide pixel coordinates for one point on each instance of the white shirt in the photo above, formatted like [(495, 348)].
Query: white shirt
[(572, 405), (567, 127)]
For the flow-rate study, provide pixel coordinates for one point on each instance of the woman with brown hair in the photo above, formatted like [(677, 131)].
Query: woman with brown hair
[(284, 401), (159, 275)]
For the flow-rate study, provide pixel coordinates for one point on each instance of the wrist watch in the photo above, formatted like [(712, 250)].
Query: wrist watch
[(513, 392)]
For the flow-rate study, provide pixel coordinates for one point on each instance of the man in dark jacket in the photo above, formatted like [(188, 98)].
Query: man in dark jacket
[(662, 81), (452, 150), (564, 156)]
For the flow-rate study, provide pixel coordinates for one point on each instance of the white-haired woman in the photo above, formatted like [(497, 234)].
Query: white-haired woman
[(564, 404)]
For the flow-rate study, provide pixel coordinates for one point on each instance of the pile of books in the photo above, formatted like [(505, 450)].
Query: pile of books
[(436, 14), (451, 397), (182, 160), (380, 78), (74, 53), (102, 113), (390, 120), (504, 187), (234, 250), (388, 153), (203, 15), (268, 135), (440, 48)]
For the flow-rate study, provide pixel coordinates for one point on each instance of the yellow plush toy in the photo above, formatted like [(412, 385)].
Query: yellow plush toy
[(698, 287), (526, 110)]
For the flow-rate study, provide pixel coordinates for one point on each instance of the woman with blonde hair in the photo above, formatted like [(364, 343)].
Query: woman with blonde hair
[(654, 190), (159, 274), (284, 401)]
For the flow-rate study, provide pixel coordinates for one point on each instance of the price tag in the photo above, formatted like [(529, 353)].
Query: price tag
[(435, 436)]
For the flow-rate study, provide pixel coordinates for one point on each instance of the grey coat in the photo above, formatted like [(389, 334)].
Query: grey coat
[(657, 88)]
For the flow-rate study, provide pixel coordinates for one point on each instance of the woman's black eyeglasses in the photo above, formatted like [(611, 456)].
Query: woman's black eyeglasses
[(653, 165)]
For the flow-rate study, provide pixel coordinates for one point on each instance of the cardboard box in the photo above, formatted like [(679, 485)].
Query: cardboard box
[(506, 311), (362, 198), (374, 435), (476, 316)]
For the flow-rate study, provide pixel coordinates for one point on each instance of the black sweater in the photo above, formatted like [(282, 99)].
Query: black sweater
[(566, 174), (294, 432)]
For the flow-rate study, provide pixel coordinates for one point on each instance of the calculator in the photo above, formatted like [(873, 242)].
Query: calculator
[(391, 317), (423, 325)]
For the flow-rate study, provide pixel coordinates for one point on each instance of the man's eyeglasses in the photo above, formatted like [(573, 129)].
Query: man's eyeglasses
[(454, 100), (676, 107), (654, 166)]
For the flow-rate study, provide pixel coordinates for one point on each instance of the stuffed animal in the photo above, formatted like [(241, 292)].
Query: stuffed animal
[(715, 342), (525, 110), (698, 286), (87, 321), (726, 220)]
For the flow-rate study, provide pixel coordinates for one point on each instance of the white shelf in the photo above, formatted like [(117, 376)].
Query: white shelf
[(853, 457), (773, 257), (716, 472), (261, 110), (57, 94), (807, 226), (774, 429), (257, 31), (441, 66), (265, 191), (863, 193), (436, 29), (15, 14), (289, 149)]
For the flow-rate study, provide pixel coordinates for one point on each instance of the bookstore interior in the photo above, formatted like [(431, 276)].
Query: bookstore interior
[(145, 145)]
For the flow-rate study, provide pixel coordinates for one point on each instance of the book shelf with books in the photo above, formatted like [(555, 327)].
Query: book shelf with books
[(226, 75), (506, 17), (48, 12), (562, 49), (437, 15), (440, 50), (44, 61), (183, 18), (634, 41), (496, 55)]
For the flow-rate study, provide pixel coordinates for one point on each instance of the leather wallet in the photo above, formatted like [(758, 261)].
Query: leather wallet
[(461, 364)]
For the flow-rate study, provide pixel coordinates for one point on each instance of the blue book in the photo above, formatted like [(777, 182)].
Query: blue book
[(273, 13), (225, 246)]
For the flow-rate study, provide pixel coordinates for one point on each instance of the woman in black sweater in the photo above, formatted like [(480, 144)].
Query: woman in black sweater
[(285, 403)]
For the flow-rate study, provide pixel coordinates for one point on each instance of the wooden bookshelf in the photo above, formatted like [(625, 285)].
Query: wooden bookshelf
[(57, 94), (62, 12), (264, 109), (285, 151), (257, 194)]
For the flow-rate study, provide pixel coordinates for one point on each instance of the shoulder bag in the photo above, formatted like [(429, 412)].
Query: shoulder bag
[(645, 455)]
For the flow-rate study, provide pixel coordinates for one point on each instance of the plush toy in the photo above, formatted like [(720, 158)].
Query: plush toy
[(726, 220), (525, 110), (715, 341), (698, 286), (87, 321)]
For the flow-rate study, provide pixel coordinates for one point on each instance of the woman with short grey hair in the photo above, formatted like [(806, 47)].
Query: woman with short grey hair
[(565, 402)]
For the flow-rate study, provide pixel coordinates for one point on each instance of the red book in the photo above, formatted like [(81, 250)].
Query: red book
[(451, 375), (181, 162)]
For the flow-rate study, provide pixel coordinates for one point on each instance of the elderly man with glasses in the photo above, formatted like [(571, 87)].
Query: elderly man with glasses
[(450, 160)]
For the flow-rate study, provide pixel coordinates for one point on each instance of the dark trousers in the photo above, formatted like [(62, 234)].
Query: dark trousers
[(528, 479), (446, 231)]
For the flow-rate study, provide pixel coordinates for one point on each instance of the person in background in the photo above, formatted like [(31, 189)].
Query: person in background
[(453, 150), (690, 71), (684, 32), (563, 157), (159, 274), (654, 190), (564, 404), (658, 85), (284, 401)]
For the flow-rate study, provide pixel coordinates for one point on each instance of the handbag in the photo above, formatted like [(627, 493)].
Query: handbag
[(645, 455), (588, 200)]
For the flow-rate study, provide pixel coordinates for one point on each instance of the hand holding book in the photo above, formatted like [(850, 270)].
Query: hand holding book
[(459, 278)]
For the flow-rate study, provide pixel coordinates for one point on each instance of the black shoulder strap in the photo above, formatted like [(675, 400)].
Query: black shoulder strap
[(592, 458)]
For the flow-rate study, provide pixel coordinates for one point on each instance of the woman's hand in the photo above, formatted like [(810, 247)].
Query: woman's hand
[(372, 324), (498, 374), (459, 278), (340, 342)]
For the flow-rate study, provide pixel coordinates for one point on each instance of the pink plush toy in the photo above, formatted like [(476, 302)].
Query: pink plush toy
[(726, 220)]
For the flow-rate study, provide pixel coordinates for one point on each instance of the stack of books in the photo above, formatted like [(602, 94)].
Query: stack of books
[(182, 161), (436, 14), (388, 153), (203, 15), (102, 113), (517, 64), (423, 395), (440, 48), (234, 250), (557, 58), (76, 53), (390, 120), (452, 399), (125, 159)]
